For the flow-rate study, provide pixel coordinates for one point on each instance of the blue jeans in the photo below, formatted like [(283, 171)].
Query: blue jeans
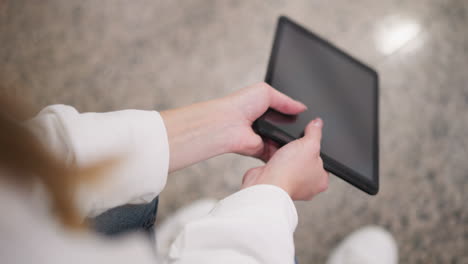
[(127, 218)]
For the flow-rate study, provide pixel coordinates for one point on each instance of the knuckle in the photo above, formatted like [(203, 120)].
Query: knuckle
[(250, 171), (324, 185), (321, 188), (252, 146), (321, 163), (266, 85), (312, 193), (250, 174), (263, 86)]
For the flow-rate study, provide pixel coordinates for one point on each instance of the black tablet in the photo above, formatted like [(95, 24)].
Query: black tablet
[(334, 86)]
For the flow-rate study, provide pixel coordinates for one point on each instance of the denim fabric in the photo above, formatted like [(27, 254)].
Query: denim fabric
[(127, 218)]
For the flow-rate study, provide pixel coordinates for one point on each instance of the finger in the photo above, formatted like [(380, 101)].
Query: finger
[(270, 148), (260, 149), (283, 103), (325, 181), (313, 132)]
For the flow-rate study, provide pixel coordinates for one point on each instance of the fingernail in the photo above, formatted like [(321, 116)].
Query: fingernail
[(305, 106), (317, 122)]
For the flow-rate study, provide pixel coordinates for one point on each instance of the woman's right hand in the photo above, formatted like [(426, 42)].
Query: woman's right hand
[(297, 167)]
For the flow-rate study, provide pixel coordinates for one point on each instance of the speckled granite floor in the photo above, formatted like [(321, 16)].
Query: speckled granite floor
[(105, 55)]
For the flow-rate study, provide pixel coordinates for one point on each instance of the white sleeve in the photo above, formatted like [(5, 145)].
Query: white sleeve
[(137, 138), (255, 225)]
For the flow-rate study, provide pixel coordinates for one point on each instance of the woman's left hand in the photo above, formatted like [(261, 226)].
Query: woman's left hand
[(203, 130), (246, 106)]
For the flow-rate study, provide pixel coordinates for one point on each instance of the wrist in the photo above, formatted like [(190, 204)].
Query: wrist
[(218, 126), (225, 124), (262, 176), (196, 132)]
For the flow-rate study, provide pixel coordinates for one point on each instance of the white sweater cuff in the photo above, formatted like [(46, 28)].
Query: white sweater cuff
[(260, 200), (136, 138), (254, 225)]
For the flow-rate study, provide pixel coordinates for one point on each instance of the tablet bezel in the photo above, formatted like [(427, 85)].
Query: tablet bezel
[(330, 164)]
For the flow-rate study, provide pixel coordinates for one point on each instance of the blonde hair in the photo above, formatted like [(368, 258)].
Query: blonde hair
[(26, 160)]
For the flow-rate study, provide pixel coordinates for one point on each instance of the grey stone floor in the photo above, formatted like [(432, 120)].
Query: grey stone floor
[(115, 54)]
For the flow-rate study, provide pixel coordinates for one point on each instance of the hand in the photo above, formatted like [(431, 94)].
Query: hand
[(246, 106), (296, 168), (204, 130)]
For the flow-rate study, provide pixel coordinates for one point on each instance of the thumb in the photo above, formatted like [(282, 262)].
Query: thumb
[(313, 130), (313, 135)]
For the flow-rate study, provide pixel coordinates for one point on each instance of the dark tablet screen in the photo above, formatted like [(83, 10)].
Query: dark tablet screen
[(335, 87)]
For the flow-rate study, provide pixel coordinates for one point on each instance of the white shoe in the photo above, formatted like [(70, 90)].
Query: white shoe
[(367, 245), (167, 231)]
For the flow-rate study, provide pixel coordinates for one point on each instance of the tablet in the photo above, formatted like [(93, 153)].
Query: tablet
[(334, 86)]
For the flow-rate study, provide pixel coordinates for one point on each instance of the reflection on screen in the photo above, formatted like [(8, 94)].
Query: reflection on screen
[(335, 89)]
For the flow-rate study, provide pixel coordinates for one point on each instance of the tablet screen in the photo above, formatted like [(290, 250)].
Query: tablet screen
[(336, 88)]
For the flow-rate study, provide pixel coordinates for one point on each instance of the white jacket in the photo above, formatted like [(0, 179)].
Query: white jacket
[(255, 225)]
